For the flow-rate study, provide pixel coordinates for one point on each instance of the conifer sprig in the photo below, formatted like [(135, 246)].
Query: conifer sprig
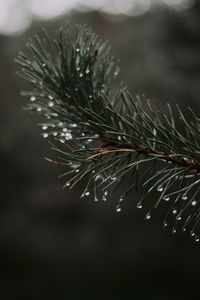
[(118, 142)]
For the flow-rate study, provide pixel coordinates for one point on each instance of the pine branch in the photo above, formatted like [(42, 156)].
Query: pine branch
[(103, 133)]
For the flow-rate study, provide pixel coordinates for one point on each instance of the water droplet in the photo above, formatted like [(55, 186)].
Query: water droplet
[(97, 177), (62, 141), (104, 197), (44, 127), (116, 73), (44, 65), (76, 89), (33, 98), (82, 134), (159, 188), (90, 96), (74, 125), (68, 183), (184, 197), (174, 211), (87, 71), (39, 108), (106, 193), (50, 104), (118, 208), (55, 133), (196, 238), (78, 69), (95, 199), (93, 171), (121, 199), (194, 203), (64, 129), (183, 229), (45, 135), (148, 216), (60, 124), (87, 193), (166, 198), (113, 178), (173, 230), (164, 224), (81, 75), (77, 49), (50, 97), (178, 218), (192, 233), (77, 170), (68, 136), (139, 205)]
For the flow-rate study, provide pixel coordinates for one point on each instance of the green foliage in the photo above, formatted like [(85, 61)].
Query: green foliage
[(102, 133)]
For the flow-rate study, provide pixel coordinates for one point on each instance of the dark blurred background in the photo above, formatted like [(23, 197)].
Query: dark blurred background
[(54, 245)]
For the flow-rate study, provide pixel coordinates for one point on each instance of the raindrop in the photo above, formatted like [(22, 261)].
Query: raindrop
[(104, 197), (192, 233), (65, 130), (44, 127), (196, 238), (50, 104), (45, 135), (121, 199), (68, 183), (184, 197), (60, 124), (106, 193), (148, 216), (82, 134), (68, 136), (159, 188), (183, 229), (50, 97), (95, 199), (164, 224), (166, 198), (178, 218), (139, 205), (194, 203), (78, 69), (93, 171), (118, 208), (174, 211), (33, 98), (55, 133), (77, 170), (173, 230), (74, 125), (97, 177), (77, 49), (39, 108), (87, 71), (81, 75), (113, 178), (87, 193), (44, 65), (90, 96)]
